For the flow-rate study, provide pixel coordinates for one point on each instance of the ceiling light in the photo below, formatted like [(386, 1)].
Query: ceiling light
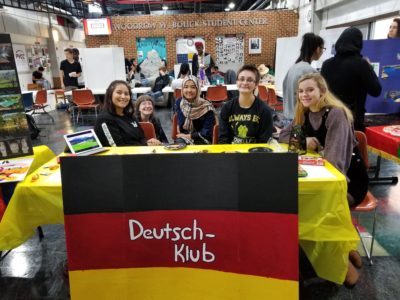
[(165, 7), (231, 5), (227, 9)]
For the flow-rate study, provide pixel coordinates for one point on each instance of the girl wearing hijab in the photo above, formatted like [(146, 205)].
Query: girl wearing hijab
[(196, 116), (349, 76)]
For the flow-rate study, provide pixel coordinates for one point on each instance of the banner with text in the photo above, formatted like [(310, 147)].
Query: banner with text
[(180, 226)]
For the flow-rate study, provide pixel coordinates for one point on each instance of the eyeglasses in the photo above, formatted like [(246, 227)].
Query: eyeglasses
[(323, 48), (249, 79)]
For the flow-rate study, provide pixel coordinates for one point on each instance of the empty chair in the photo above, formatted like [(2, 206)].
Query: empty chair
[(178, 93), (175, 128), (83, 100), (215, 134), (369, 204), (149, 131), (263, 93), (40, 104), (217, 95)]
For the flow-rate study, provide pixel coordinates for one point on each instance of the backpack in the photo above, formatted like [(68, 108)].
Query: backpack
[(33, 129)]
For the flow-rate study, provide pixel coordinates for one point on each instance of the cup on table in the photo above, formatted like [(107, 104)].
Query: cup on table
[(72, 74)]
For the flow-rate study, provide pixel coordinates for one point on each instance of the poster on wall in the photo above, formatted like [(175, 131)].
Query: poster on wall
[(254, 45), (185, 48), (229, 52), (21, 60), (14, 130), (384, 56), (151, 54), (207, 243)]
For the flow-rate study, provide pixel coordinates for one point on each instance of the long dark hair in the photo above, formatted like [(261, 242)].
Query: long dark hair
[(310, 43), (109, 105)]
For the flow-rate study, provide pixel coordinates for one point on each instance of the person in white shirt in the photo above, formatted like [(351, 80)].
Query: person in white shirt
[(183, 73)]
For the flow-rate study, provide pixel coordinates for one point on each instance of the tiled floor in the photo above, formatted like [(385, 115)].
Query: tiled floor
[(37, 269)]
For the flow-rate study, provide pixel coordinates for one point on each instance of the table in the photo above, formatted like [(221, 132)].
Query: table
[(384, 145), (326, 232), (136, 90), (229, 87)]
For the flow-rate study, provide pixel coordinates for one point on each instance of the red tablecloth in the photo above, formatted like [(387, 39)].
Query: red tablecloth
[(382, 141)]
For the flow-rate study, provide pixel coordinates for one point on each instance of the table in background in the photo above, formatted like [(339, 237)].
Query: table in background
[(384, 145), (136, 90), (229, 87), (326, 232)]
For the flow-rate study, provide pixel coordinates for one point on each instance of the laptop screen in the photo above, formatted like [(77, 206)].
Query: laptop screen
[(82, 141)]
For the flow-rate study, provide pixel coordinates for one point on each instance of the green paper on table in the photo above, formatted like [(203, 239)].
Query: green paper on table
[(301, 172)]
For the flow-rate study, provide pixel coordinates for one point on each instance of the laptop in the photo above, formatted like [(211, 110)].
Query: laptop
[(84, 142)]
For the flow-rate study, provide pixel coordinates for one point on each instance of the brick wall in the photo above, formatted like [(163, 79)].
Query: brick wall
[(281, 23)]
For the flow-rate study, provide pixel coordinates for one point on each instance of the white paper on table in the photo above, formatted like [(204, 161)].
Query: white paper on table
[(317, 172)]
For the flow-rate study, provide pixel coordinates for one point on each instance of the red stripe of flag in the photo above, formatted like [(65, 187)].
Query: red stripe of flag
[(252, 243)]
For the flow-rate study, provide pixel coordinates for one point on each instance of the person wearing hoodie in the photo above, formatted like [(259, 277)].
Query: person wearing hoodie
[(349, 76)]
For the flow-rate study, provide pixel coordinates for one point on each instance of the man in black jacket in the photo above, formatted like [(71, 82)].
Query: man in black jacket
[(349, 76)]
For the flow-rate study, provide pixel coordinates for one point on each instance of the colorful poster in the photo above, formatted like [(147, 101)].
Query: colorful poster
[(151, 54), (13, 170), (183, 239), (21, 60), (14, 129), (385, 57)]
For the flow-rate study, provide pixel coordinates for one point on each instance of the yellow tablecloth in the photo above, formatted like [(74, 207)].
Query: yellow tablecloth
[(325, 230)]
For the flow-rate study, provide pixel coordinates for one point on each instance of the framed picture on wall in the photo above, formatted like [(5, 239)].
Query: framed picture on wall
[(254, 45)]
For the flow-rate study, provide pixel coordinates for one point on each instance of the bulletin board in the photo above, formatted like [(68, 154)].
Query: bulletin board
[(229, 50), (151, 52), (185, 48), (14, 129)]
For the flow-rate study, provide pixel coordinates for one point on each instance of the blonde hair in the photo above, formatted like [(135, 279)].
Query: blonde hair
[(327, 99)]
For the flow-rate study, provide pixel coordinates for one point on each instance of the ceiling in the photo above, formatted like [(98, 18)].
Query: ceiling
[(80, 8)]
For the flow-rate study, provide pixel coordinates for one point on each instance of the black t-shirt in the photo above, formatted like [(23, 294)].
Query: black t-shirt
[(67, 68), (36, 75), (245, 125)]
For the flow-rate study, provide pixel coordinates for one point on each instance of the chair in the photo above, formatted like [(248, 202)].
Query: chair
[(34, 87), (175, 128), (263, 93), (217, 95), (83, 100), (60, 96), (149, 131), (40, 104), (370, 203), (215, 134), (178, 93)]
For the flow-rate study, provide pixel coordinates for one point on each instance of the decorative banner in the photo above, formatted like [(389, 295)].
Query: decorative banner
[(198, 233), (21, 60), (14, 129), (151, 53), (229, 52), (385, 56)]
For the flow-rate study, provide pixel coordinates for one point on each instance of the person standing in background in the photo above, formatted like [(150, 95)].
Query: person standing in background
[(349, 76), (394, 32), (200, 62), (311, 49), (70, 70)]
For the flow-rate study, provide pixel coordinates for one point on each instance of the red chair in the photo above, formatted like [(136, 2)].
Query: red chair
[(263, 93), (175, 127), (370, 203), (177, 93), (149, 131), (217, 95), (215, 134), (83, 100), (40, 104)]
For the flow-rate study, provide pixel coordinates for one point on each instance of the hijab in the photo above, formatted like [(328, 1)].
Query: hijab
[(195, 109)]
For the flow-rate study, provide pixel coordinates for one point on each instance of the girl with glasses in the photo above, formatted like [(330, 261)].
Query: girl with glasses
[(245, 119)]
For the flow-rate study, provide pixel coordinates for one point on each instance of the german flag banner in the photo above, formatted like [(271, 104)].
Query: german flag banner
[(182, 226)]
